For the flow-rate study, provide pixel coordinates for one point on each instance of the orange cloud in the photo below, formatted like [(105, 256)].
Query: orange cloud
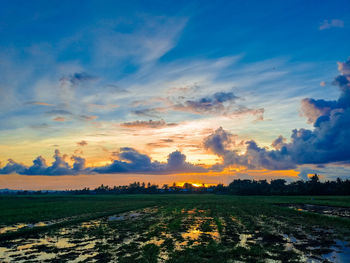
[(59, 119), (41, 103)]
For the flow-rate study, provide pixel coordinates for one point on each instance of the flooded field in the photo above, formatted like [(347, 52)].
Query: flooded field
[(197, 229), (321, 209)]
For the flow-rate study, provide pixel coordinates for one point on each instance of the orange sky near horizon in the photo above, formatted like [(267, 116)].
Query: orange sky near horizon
[(67, 182)]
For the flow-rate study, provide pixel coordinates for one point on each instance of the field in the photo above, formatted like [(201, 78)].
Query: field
[(174, 228)]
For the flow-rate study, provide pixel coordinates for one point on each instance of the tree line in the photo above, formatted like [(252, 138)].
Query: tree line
[(313, 186)]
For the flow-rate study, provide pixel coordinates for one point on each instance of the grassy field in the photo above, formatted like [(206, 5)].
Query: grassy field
[(172, 228)]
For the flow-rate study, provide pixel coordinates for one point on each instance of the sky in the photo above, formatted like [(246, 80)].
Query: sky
[(113, 92)]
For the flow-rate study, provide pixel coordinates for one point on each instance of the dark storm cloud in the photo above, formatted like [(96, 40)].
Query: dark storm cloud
[(129, 161), (12, 167), (328, 142), (79, 163), (279, 142), (255, 157), (39, 167)]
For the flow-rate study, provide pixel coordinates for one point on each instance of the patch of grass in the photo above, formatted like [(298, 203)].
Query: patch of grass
[(150, 253)]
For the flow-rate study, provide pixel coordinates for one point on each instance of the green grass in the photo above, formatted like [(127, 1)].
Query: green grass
[(32, 209)]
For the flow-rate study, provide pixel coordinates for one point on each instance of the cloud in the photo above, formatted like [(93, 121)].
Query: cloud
[(61, 119), (39, 167), (12, 167), (327, 143), (77, 78), (344, 68), (79, 163), (312, 109), (59, 112), (214, 104), (87, 117), (62, 115), (219, 103), (129, 161), (145, 44), (329, 172), (279, 142), (160, 143), (326, 24), (82, 143), (101, 107), (220, 143), (39, 126), (152, 112), (40, 103), (177, 163), (147, 124)]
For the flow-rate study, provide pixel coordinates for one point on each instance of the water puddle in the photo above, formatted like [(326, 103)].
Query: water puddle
[(124, 216), (340, 253), (321, 209), (245, 240), (312, 249), (200, 229), (13, 228)]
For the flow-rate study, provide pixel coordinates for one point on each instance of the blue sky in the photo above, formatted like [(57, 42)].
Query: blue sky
[(160, 77)]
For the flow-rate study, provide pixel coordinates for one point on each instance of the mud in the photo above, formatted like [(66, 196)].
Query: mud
[(321, 209)]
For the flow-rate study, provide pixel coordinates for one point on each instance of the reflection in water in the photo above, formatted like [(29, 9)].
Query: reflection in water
[(244, 239), (340, 253), (194, 232), (40, 249), (200, 230), (321, 209), (15, 227)]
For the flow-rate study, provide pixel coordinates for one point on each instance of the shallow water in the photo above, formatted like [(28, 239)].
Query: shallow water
[(321, 209), (340, 253)]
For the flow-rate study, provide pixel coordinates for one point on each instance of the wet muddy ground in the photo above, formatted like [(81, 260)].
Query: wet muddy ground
[(182, 233), (188, 229), (321, 209)]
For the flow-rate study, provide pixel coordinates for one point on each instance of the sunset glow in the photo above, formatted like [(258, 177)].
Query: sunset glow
[(197, 93)]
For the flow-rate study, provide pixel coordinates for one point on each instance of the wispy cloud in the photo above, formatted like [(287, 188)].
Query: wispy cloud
[(327, 24), (60, 119), (147, 124), (40, 103), (143, 45)]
